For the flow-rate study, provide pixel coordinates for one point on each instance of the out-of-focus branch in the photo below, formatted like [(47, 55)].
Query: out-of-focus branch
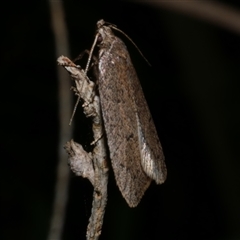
[(65, 133), (217, 13)]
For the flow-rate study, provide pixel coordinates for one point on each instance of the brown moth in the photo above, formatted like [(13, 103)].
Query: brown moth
[(135, 150)]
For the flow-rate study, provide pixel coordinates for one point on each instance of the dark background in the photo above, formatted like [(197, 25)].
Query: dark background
[(193, 93)]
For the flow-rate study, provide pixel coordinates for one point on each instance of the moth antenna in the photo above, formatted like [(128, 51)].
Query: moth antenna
[(91, 52), (86, 69), (110, 24), (74, 110), (117, 29)]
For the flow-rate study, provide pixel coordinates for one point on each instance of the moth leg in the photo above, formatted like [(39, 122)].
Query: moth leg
[(97, 139), (95, 61), (80, 56)]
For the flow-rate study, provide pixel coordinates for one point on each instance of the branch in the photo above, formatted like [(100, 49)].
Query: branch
[(90, 165)]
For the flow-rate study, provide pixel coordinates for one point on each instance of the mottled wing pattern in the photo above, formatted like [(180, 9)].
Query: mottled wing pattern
[(121, 121)]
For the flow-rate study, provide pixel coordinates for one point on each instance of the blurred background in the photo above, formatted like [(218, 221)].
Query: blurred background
[(192, 89)]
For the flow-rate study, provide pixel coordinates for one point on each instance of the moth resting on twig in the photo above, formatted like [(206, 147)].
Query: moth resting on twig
[(135, 150)]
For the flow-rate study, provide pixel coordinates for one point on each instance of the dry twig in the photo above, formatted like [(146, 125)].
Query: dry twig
[(89, 165)]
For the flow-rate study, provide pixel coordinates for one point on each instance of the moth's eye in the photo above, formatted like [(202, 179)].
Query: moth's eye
[(99, 40)]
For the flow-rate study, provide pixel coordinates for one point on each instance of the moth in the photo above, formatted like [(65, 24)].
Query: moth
[(135, 151)]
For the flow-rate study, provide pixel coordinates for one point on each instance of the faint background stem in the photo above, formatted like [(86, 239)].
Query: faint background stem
[(214, 12), (65, 132)]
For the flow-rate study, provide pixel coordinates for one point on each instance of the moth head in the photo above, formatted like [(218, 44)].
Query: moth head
[(105, 36)]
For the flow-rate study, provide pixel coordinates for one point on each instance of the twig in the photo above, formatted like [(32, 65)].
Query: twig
[(90, 165)]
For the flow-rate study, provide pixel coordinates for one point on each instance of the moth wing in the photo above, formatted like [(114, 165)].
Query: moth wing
[(120, 121), (152, 158)]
